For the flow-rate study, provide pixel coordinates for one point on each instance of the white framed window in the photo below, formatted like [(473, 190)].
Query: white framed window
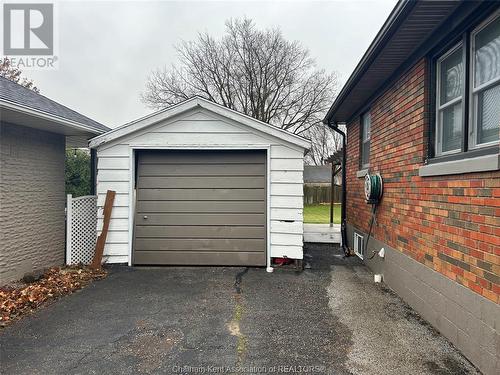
[(484, 128), (449, 101), (366, 123), (358, 245), (467, 87)]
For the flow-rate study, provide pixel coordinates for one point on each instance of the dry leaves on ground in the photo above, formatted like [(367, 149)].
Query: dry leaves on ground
[(56, 282)]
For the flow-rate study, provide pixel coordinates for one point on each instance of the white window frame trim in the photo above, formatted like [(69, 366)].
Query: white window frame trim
[(357, 251), (474, 91), (440, 108)]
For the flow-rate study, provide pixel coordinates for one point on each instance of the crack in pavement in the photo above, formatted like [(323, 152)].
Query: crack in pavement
[(239, 279), (234, 325)]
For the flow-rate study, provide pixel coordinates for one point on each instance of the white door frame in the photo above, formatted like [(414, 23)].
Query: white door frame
[(131, 193)]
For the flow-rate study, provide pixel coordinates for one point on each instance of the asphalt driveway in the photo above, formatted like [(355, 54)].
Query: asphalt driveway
[(330, 318)]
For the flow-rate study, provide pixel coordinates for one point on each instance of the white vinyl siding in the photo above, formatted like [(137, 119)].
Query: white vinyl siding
[(201, 129)]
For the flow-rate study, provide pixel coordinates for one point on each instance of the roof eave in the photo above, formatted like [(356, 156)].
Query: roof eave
[(395, 18), (50, 117)]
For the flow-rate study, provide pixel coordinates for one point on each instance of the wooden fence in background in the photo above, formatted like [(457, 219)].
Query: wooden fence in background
[(316, 194)]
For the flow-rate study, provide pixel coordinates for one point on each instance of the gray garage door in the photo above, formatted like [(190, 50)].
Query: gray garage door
[(201, 208)]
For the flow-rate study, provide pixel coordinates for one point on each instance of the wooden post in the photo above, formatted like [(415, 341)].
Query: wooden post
[(335, 171), (332, 184), (101, 240)]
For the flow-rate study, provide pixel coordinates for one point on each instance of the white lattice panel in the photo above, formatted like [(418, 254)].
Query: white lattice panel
[(81, 229)]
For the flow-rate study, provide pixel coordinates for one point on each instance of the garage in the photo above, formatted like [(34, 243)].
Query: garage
[(200, 184), (201, 208)]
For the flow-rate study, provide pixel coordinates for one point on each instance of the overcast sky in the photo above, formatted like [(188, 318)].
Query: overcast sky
[(108, 48)]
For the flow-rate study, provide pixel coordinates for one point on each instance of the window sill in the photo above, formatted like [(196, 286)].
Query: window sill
[(470, 165), (362, 173)]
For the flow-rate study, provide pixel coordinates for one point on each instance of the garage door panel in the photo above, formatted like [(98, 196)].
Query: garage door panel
[(199, 244), (200, 194), (200, 258), (144, 207), (201, 207), (202, 182), (203, 157), (203, 170), (200, 219), (193, 231)]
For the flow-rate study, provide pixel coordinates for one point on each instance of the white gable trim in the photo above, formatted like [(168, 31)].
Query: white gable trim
[(191, 104)]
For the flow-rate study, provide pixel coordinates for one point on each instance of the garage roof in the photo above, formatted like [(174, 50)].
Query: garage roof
[(408, 26), (200, 103)]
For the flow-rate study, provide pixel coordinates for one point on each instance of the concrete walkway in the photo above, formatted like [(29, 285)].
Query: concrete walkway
[(322, 233), (330, 319)]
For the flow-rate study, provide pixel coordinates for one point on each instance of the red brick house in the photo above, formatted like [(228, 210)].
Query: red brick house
[(422, 108)]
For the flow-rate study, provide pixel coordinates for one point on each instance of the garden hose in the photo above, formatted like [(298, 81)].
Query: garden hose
[(373, 193), (373, 187), (374, 210)]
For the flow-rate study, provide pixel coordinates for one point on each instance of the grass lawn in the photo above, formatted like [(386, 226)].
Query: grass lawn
[(320, 213)]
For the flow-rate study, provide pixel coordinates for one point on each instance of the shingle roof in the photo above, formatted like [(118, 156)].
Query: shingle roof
[(317, 173), (17, 94), (197, 102)]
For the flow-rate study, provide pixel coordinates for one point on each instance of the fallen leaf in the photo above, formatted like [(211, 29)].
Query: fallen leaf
[(56, 282)]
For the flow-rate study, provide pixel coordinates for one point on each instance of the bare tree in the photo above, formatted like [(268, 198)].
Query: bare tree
[(256, 72), (14, 74), (324, 142)]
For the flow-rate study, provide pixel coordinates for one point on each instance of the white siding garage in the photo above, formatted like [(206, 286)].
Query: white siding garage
[(183, 131)]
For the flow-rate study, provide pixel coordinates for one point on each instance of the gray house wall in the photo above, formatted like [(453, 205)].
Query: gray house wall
[(32, 200)]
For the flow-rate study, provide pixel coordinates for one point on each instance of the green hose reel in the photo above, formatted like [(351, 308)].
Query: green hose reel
[(373, 188)]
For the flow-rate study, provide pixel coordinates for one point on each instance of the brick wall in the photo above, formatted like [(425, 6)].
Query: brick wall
[(449, 223), (32, 200)]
